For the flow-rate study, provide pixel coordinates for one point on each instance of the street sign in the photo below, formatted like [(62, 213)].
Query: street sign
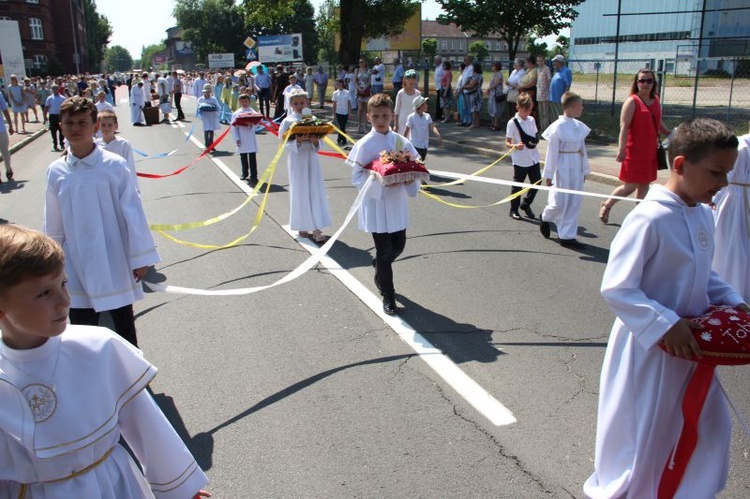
[(249, 42), (220, 60), (251, 55), (280, 48)]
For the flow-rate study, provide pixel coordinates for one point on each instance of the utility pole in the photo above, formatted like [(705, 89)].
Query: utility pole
[(617, 53), (698, 57)]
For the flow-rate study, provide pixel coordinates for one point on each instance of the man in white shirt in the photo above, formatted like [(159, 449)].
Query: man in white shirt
[(377, 88), (439, 73), (198, 85)]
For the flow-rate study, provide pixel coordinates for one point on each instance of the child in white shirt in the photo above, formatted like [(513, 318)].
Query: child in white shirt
[(566, 165), (107, 122), (418, 126), (520, 133), (209, 112), (341, 108), (247, 145), (405, 101)]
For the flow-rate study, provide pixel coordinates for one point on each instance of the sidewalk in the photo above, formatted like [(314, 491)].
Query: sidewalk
[(604, 168)]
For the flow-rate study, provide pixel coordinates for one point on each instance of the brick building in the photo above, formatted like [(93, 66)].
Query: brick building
[(53, 34), (453, 44)]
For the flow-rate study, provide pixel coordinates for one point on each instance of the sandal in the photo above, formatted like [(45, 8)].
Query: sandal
[(10, 175), (304, 234), (604, 213), (319, 237)]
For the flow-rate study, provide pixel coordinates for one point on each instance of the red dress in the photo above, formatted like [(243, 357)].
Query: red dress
[(639, 165)]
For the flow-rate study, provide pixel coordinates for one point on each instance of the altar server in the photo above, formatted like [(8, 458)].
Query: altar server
[(566, 166), (137, 102), (659, 273), (68, 393), (247, 145), (308, 202), (732, 216), (385, 210), (209, 112)]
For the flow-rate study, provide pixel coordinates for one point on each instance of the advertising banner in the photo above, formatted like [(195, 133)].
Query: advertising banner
[(280, 48), (11, 50), (220, 60)]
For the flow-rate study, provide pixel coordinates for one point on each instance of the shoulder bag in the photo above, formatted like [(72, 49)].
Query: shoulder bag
[(661, 153), (529, 141)]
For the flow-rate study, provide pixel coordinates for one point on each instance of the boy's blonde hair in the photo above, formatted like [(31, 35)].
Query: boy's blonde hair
[(26, 253), (78, 105), (569, 98), (525, 101), (106, 115), (379, 100)]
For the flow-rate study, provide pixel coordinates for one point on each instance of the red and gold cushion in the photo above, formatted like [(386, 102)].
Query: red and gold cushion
[(725, 337), (247, 119)]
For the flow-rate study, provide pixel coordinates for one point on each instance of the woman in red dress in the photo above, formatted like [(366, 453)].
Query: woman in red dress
[(639, 118)]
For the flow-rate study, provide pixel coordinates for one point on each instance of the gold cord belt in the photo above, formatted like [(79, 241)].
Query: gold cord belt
[(75, 474)]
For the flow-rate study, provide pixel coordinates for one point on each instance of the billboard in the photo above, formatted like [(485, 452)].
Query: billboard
[(11, 50), (220, 60), (280, 48)]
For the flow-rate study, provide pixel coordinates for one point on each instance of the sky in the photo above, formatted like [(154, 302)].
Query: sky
[(139, 23)]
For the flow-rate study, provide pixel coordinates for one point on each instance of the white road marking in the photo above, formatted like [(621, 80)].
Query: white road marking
[(466, 387)]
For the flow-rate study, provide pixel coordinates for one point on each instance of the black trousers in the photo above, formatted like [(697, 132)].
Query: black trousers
[(388, 247), (55, 130), (249, 161), (208, 138), (122, 317), (279, 111), (178, 105), (438, 109), (342, 120), (422, 152), (519, 175), (397, 85), (264, 96)]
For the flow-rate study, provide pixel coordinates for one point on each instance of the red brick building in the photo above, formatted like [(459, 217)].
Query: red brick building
[(53, 34)]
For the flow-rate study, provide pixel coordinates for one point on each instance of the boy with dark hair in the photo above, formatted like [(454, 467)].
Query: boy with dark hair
[(94, 212), (658, 274), (385, 211)]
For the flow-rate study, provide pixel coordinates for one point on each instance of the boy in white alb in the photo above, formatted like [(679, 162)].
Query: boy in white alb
[(520, 134), (308, 203), (566, 166), (247, 144), (385, 210), (732, 215), (341, 108), (659, 273), (418, 126), (94, 212), (107, 124), (68, 394), (209, 112)]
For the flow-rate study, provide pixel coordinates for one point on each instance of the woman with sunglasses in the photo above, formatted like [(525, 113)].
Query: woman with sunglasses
[(640, 125)]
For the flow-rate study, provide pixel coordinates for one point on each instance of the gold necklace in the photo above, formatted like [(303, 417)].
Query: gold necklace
[(40, 395)]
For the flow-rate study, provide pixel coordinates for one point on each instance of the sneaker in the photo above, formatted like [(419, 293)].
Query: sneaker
[(544, 229), (515, 215), (527, 209)]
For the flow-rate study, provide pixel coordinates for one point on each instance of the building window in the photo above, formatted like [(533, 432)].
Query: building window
[(40, 61), (444, 44), (36, 29)]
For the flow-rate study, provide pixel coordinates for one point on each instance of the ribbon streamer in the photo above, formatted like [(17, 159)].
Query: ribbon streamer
[(308, 264), (466, 206), (200, 156)]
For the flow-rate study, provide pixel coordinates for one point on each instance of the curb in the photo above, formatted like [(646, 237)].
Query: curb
[(27, 140)]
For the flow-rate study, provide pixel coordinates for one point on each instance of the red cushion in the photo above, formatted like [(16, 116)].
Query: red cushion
[(247, 119), (725, 337), (397, 173)]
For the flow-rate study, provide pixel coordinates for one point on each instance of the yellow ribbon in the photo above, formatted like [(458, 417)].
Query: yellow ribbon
[(466, 206), (265, 179)]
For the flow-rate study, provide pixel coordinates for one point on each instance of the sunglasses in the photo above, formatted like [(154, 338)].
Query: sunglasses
[(646, 80)]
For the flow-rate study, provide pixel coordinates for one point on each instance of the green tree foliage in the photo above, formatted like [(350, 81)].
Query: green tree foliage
[(536, 47), (212, 26), (478, 50), (148, 53), (513, 20), (562, 46), (279, 17), (117, 58), (429, 48), (366, 19), (98, 33), (328, 25)]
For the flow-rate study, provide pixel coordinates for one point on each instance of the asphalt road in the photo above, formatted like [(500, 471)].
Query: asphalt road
[(304, 390)]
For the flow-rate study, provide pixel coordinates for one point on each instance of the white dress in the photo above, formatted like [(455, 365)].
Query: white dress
[(732, 217), (659, 270), (403, 108), (63, 442), (211, 120), (566, 163), (94, 212), (308, 203), (136, 105), (244, 134), (384, 209)]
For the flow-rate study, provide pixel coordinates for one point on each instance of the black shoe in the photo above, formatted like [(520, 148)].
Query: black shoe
[(374, 261), (527, 209), (243, 177), (571, 244), (389, 306), (544, 229), (253, 181), (515, 215)]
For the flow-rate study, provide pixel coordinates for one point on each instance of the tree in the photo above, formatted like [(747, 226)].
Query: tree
[(478, 50), (513, 20), (212, 26), (328, 26), (429, 48), (366, 19), (118, 58), (98, 33), (562, 46), (273, 17), (148, 53), (536, 47)]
